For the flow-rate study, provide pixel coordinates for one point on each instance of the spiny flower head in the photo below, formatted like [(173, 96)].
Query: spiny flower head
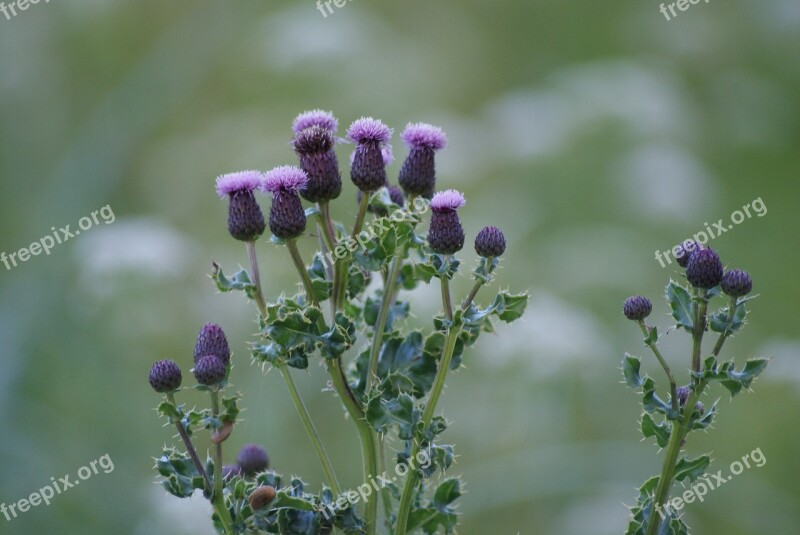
[(418, 174), (736, 283), (209, 370), (287, 218), (307, 119), (252, 459), (637, 308), (368, 169), (245, 220), (490, 242), (314, 147), (446, 235), (165, 376), (211, 340), (704, 269)]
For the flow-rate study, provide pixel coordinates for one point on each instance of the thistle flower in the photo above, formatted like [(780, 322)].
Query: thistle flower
[(490, 242), (245, 220), (446, 235), (368, 170), (418, 174), (704, 269), (287, 219), (685, 250), (165, 376), (308, 119), (736, 283), (209, 370), (252, 459), (211, 340), (314, 147), (637, 308)]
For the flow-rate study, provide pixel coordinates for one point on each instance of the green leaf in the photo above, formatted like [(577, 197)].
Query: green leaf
[(382, 413), (727, 374), (631, 370), (718, 321), (693, 469), (446, 493), (660, 431), (240, 281), (680, 301)]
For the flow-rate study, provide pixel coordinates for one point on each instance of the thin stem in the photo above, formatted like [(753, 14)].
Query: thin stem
[(301, 269), (724, 334), (190, 447), (383, 314), (479, 282), (311, 430), (327, 225), (218, 496), (430, 408), (701, 305), (362, 213), (255, 277), (652, 344)]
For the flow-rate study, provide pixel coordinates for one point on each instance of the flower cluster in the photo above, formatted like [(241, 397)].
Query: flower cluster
[(388, 376), (670, 421)]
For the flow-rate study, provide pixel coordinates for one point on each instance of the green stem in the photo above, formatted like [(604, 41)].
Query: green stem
[(701, 305), (190, 447), (311, 430), (255, 277), (412, 478), (673, 390), (383, 313), (218, 495), (724, 334), (446, 301), (479, 282), (327, 225), (301, 269), (362, 213)]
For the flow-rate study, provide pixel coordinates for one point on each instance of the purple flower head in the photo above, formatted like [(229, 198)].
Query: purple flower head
[(252, 459), (235, 182), (447, 200), (418, 174), (307, 119), (314, 147), (165, 376), (209, 370), (386, 152), (211, 340), (704, 269), (424, 135), (736, 283), (287, 178), (637, 308), (490, 242), (369, 130), (446, 235), (287, 218)]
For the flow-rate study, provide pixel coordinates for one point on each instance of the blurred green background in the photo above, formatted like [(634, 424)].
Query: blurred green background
[(592, 132)]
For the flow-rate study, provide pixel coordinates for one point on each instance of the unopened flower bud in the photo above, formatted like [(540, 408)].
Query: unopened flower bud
[(637, 308), (736, 283), (165, 376), (490, 242), (211, 340), (704, 269), (209, 370), (685, 250)]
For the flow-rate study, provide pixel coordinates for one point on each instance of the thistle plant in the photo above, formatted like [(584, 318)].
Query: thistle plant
[(351, 318), (670, 419)]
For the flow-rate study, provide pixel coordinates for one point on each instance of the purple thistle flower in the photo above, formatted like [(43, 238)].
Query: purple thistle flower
[(637, 308), (252, 459), (287, 218), (165, 376), (446, 235), (209, 370), (736, 283), (490, 242), (685, 250), (211, 340), (245, 220), (418, 174), (368, 170), (314, 147), (704, 269), (307, 119)]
